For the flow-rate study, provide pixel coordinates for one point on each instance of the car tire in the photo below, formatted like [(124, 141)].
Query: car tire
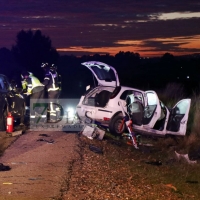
[(3, 121), (115, 125)]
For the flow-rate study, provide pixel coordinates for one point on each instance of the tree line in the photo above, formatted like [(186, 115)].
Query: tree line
[(33, 48)]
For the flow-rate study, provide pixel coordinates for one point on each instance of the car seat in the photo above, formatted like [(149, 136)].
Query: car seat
[(135, 109), (102, 98)]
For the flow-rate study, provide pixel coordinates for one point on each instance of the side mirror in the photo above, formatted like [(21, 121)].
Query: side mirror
[(88, 87)]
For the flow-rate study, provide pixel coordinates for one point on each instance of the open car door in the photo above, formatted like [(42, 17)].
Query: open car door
[(152, 110), (106, 75), (177, 122)]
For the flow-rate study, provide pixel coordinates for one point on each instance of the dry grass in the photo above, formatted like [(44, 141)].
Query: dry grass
[(171, 94), (123, 172)]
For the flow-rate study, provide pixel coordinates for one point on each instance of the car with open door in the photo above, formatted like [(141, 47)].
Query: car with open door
[(104, 104), (157, 119), (10, 101)]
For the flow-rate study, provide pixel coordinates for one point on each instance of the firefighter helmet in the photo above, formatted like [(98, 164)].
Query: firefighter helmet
[(44, 65)]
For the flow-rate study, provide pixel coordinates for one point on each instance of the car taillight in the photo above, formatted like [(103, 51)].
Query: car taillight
[(106, 119), (115, 92)]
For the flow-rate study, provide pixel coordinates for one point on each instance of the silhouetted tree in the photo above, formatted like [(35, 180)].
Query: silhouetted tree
[(167, 58), (33, 48), (7, 63)]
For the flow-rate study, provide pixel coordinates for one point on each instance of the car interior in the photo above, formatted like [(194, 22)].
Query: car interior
[(174, 120), (102, 98), (135, 109), (99, 97)]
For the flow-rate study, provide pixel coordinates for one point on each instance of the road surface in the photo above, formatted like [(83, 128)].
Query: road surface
[(40, 165)]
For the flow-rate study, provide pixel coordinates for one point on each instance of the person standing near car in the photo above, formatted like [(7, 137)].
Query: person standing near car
[(34, 88), (53, 87), (53, 70)]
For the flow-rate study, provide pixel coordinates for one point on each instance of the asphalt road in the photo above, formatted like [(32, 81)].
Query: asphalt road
[(40, 165)]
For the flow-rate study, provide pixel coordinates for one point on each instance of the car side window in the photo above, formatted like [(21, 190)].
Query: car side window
[(125, 94), (151, 99), (181, 107), (137, 94)]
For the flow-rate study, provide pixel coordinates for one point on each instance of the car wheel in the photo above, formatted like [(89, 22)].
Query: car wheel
[(3, 120), (116, 124)]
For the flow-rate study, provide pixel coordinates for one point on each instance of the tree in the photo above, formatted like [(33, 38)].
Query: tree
[(33, 48), (7, 64), (167, 58)]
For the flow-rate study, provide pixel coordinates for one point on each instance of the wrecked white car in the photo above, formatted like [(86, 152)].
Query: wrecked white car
[(105, 102)]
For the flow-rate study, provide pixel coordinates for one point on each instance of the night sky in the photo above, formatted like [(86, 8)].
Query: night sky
[(150, 28)]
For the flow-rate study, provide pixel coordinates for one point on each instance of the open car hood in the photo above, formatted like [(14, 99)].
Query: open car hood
[(106, 75)]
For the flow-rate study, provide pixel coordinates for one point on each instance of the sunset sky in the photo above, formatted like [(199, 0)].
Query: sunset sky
[(106, 26)]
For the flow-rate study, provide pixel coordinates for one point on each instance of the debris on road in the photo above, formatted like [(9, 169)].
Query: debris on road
[(193, 182), (88, 131), (15, 163), (44, 135), (157, 162), (171, 186), (48, 141), (35, 178), (15, 133), (95, 149), (99, 133), (4, 167), (93, 132)]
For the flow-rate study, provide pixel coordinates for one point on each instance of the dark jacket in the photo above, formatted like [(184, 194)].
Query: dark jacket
[(51, 81)]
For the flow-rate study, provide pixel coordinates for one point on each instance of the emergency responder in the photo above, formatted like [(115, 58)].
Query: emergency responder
[(51, 82), (33, 87), (53, 67)]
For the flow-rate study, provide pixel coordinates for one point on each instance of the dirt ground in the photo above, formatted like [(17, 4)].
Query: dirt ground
[(69, 166), (118, 171)]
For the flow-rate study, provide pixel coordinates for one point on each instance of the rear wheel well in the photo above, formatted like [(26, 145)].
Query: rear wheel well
[(115, 122), (117, 113)]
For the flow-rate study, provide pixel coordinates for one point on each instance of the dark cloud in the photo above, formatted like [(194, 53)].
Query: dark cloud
[(101, 24)]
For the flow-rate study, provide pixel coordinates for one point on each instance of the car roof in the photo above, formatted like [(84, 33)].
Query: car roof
[(124, 88), (130, 88)]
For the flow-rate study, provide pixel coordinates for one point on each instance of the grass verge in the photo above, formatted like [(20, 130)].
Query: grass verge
[(123, 172)]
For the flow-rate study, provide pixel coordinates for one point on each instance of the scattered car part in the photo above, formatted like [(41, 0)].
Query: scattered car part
[(4, 167), (95, 149)]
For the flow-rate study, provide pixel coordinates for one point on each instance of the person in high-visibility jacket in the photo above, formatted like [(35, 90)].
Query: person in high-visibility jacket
[(53, 70), (53, 87), (33, 87)]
